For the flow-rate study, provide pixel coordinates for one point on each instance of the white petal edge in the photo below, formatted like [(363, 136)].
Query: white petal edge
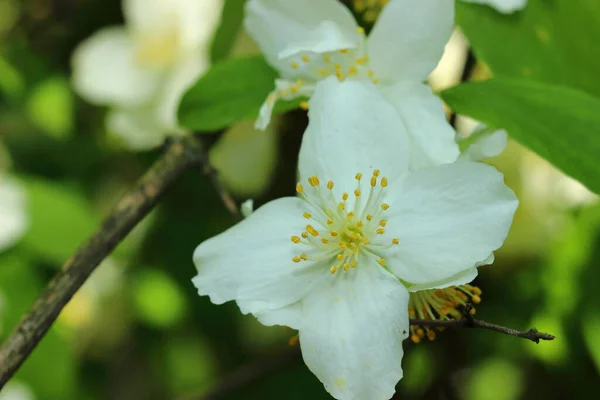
[(277, 24), (352, 128), (432, 137), (408, 40), (448, 218), (504, 6), (352, 331), (14, 219), (252, 261), (105, 70), (487, 145), (137, 129)]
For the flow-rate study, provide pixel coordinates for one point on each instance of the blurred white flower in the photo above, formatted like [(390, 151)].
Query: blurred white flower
[(16, 390), (504, 6), (310, 40), (13, 212), (338, 261), (141, 70)]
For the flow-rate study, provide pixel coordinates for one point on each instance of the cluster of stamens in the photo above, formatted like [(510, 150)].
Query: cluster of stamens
[(369, 10), (440, 304), (342, 231)]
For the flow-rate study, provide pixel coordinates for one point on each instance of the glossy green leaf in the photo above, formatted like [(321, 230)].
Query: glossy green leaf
[(61, 220), (231, 91), (558, 123), (555, 41)]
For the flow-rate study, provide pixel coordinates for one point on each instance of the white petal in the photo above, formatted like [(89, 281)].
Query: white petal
[(281, 86), (408, 39), (13, 214), (290, 315), (105, 70), (432, 137), (504, 6), (138, 129), (247, 208), (252, 261), (485, 146), (278, 24), (448, 218), (352, 332), (461, 278), (179, 25), (351, 129), (181, 77)]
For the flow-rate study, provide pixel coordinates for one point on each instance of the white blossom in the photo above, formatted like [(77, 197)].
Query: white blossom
[(14, 219), (142, 69), (504, 6), (310, 40), (338, 261)]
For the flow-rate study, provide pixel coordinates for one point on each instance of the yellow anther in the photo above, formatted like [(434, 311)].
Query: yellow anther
[(473, 311), (376, 80), (295, 239), (431, 335), (360, 224), (344, 196), (476, 299), (344, 51), (366, 58), (360, 61), (342, 206), (381, 262), (295, 65), (384, 182), (369, 217), (296, 259), (337, 67), (343, 245), (358, 176), (411, 312), (304, 235), (360, 30), (303, 257), (333, 269), (340, 257), (299, 83), (324, 240), (352, 71), (294, 89), (350, 215), (371, 73), (357, 193), (329, 221), (305, 59), (326, 58), (307, 215), (383, 223), (385, 206), (415, 339), (395, 241), (333, 233), (340, 76), (380, 231), (314, 181), (376, 172), (293, 341), (324, 72), (373, 181), (312, 230), (330, 185), (346, 267), (304, 105), (299, 188), (476, 291), (353, 263), (366, 241)]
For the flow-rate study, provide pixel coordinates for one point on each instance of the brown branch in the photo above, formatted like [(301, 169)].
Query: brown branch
[(180, 155), (533, 334)]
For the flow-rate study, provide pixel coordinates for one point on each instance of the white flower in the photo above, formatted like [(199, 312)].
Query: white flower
[(504, 6), (142, 69), (309, 40), (336, 262), (13, 214)]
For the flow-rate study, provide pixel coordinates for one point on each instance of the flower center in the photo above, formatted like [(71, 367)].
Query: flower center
[(440, 304), (340, 230)]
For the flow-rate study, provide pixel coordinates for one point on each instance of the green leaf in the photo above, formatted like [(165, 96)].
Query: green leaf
[(558, 123), (61, 219), (231, 91), (232, 16), (551, 41), (50, 107)]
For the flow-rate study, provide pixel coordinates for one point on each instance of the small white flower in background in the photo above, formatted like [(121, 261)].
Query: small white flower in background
[(504, 6), (337, 262), (13, 212), (141, 70), (310, 40)]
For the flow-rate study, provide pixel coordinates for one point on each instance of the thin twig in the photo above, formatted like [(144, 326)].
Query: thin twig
[(533, 334), (180, 155)]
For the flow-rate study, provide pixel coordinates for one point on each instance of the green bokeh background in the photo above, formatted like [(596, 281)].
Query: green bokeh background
[(138, 330)]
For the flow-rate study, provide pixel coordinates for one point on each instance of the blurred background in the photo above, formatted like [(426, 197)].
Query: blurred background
[(138, 330)]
